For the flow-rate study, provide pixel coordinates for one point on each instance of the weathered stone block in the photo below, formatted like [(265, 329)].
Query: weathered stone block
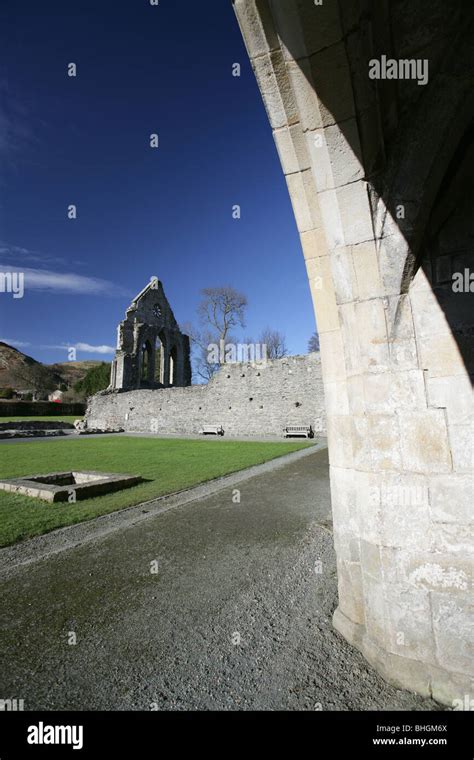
[(334, 368), (361, 445), (329, 76), (392, 251), (355, 392), (350, 339), (307, 102), (453, 394), (304, 200), (344, 502), (462, 438), (429, 318), (260, 37), (376, 613), (337, 401), (275, 86), (343, 275), (373, 338), (367, 271), (305, 27), (388, 392), (453, 622), (370, 560), (440, 355), (331, 217), (452, 689), (405, 512), (335, 155), (453, 539), (401, 332), (354, 211), (292, 150), (370, 130), (434, 571), (369, 508), (314, 243), (424, 441), (410, 629), (452, 498), (351, 597), (322, 291), (384, 441), (340, 446)]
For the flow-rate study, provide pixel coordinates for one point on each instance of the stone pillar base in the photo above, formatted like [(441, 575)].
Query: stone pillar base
[(414, 675)]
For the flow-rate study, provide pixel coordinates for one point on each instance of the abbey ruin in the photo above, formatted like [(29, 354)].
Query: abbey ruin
[(380, 176), (150, 389), (245, 399), (152, 352)]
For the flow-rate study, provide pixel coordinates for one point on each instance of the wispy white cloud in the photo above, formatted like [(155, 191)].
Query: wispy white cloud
[(65, 282), (85, 348)]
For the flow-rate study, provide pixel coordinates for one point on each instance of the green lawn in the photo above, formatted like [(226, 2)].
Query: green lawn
[(169, 465), (29, 418)]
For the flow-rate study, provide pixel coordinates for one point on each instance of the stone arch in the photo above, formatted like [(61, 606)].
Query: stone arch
[(421, 158), (173, 366), (146, 362), (348, 151), (446, 257), (160, 357), (415, 177)]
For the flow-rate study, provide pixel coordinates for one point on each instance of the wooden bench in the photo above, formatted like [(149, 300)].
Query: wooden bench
[(211, 430), (298, 430)]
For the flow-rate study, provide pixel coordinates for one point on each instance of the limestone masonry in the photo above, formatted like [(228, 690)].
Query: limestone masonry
[(256, 399), (380, 176), (152, 352)]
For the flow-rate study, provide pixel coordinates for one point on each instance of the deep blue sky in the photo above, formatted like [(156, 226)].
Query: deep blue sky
[(141, 212)]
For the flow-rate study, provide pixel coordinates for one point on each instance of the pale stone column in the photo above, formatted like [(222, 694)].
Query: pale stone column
[(166, 366), (400, 436)]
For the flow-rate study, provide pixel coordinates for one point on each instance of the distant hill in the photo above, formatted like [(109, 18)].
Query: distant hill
[(22, 372), (72, 372)]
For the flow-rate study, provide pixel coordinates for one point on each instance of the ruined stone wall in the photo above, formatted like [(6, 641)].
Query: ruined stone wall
[(246, 399)]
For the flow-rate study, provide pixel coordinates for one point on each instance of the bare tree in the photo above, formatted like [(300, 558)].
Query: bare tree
[(222, 309), (313, 344), (275, 342), (200, 341)]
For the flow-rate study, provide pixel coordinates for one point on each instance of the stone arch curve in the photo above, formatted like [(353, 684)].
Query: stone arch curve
[(146, 361), (173, 365), (421, 159), (160, 359), (389, 358)]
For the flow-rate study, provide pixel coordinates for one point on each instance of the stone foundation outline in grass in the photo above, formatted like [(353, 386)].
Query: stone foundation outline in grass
[(69, 486)]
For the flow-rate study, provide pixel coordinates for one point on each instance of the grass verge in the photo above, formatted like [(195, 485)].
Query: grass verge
[(169, 465)]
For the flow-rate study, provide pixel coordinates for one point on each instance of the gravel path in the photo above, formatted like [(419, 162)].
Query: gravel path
[(234, 618)]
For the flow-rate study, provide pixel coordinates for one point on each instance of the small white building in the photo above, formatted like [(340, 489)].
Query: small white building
[(56, 396)]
